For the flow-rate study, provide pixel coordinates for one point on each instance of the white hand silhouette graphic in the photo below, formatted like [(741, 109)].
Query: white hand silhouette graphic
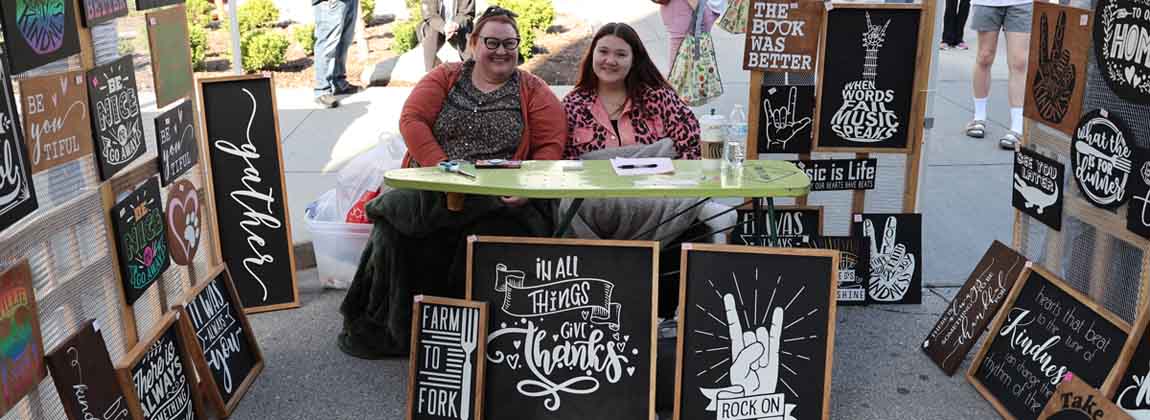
[(755, 354), (891, 267), (781, 125)]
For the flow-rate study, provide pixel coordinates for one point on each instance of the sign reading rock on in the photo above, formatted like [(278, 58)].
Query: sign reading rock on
[(783, 35), (1122, 47), (56, 119), (116, 124), (1100, 156), (1038, 184)]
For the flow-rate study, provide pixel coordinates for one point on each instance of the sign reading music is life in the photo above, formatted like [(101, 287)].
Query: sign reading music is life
[(840, 174), (247, 180), (116, 124), (572, 327), (1046, 329), (783, 35), (756, 333), (83, 373), (157, 374), (448, 340)]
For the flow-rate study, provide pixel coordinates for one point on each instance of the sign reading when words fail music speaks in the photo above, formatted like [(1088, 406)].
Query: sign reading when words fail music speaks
[(783, 35)]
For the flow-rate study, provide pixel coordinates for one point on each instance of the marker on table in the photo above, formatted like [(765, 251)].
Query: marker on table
[(649, 165)]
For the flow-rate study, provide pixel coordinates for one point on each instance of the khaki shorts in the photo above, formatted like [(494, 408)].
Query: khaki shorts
[(1005, 18)]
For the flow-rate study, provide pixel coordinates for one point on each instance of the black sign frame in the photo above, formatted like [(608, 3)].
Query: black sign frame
[(148, 197), (12, 144), (1124, 79), (120, 9), (1081, 150), (744, 233), (418, 357), (1138, 189), (165, 329), (21, 55), (885, 247), (1033, 199), (122, 75), (180, 141)]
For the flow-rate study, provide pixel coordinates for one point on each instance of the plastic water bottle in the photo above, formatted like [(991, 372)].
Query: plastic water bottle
[(737, 128)]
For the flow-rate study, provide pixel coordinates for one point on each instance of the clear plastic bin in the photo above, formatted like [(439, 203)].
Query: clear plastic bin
[(338, 247)]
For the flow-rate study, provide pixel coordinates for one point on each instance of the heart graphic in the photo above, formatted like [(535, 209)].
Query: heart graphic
[(517, 343), (554, 337), (621, 347), (631, 371), (627, 337), (1132, 76), (615, 336), (513, 361), (586, 314), (184, 222)]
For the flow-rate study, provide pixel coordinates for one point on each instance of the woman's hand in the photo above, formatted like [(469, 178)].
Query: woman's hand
[(450, 28), (513, 201)]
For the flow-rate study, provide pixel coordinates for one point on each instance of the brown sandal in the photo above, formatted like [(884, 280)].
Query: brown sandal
[(976, 129)]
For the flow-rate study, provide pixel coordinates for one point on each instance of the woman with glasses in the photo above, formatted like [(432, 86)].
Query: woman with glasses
[(485, 108)]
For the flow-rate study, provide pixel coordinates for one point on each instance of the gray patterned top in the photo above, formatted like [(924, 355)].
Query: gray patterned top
[(474, 125)]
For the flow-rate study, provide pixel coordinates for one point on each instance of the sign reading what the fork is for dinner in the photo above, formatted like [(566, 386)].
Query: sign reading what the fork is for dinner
[(1038, 185), (1100, 156), (447, 343)]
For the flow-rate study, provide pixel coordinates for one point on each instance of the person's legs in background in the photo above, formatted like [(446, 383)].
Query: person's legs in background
[(676, 16), (954, 24), (347, 36), (960, 24), (431, 41), (1017, 28), (987, 21), (329, 22)]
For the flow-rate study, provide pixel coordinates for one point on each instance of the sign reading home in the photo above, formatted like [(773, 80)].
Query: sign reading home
[(1138, 212), (248, 182), (791, 224), (448, 342), (38, 32), (840, 174), (138, 221), (895, 245), (85, 379), (176, 131), (973, 307), (1074, 399), (22, 361), (17, 196), (159, 374), (785, 119), (116, 124), (1056, 77), (868, 81), (99, 11), (1038, 184), (756, 333), (57, 126), (225, 349), (1046, 330), (571, 333), (783, 35), (1100, 157), (1122, 47)]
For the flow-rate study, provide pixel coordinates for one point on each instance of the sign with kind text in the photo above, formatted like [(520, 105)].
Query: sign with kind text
[(83, 374), (783, 35)]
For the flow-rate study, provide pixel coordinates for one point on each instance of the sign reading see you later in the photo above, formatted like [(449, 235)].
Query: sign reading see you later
[(783, 35)]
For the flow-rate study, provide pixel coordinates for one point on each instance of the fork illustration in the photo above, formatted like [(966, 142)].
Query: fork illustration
[(467, 337), (1123, 164)]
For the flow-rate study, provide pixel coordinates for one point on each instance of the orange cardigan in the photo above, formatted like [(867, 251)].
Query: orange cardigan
[(544, 128)]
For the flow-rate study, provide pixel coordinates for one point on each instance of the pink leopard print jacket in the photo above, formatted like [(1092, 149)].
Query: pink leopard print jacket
[(654, 115)]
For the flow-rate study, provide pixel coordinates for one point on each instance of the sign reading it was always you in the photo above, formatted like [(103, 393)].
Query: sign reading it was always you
[(1122, 47)]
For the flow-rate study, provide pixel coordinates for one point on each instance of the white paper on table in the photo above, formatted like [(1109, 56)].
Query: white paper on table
[(642, 166)]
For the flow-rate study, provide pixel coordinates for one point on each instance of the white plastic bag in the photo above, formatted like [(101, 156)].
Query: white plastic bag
[(364, 174)]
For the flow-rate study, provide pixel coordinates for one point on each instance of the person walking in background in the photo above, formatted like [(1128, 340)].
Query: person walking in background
[(989, 18), (954, 24), (678, 19), (445, 20), (334, 31)]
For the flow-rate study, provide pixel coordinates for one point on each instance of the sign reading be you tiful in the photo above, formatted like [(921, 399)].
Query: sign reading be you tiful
[(783, 35)]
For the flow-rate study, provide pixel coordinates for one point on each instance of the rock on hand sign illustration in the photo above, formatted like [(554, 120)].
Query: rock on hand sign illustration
[(1054, 82), (892, 267), (781, 125)]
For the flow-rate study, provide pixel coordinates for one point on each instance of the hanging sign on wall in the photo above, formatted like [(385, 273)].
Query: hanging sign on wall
[(38, 32), (171, 54), (96, 12), (1138, 189), (1056, 77), (116, 124), (1122, 47), (138, 222), (17, 196), (176, 134), (1038, 187), (56, 120), (22, 362), (1100, 157), (783, 35), (785, 119), (184, 222)]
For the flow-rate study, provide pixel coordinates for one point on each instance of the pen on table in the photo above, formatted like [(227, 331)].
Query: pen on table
[(649, 165)]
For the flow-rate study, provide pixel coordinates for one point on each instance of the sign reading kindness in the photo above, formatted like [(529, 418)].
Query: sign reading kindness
[(783, 35)]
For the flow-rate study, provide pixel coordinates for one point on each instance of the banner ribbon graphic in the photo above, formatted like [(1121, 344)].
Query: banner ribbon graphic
[(523, 300)]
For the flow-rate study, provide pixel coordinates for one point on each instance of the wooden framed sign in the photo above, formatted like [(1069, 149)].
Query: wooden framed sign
[(220, 342), (17, 195), (1131, 390), (854, 266), (157, 374), (840, 174), (1138, 189), (973, 307), (791, 223), (171, 54), (783, 35), (1074, 399), (756, 332), (185, 222), (1100, 157), (895, 245), (869, 76), (245, 160), (38, 32), (448, 341), (785, 119), (553, 300), (1056, 76), (22, 366), (96, 12), (1046, 329), (1039, 183), (141, 242), (56, 120), (116, 124), (88, 384), (1120, 47), (176, 134)]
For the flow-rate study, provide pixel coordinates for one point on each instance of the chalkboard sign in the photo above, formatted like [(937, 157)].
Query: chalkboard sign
[(1038, 187), (448, 339), (1074, 400), (792, 223), (157, 374), (1100, 158), (185, 222), (785, 119), (38, 32), (553, 300), (176, 134), (22, 361), (1138, 212), (221, 343), (171, 54), (894, 242), (783, 35), (56, 120), (1056, 76), (245, 161), (116, 124), (1120, 45), (152, 4), (141, 242), (869, 66), (1046, 329), (99, 11), (17, 196), (85, 379), (1132, 392), (840, 174), (756, 333), (973, 307), (854, 266)]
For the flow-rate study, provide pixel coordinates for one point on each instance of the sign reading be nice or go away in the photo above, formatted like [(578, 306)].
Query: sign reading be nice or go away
[(783, 35)]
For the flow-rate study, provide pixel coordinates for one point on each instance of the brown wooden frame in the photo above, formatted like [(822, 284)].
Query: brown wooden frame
[(832, 306), (209, 184), (778, 209), (152, 51), (133, 357), (207, 382), (654, 246), (480, 349)]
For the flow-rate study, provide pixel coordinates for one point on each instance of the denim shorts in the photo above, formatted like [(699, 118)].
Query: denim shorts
[(1015, 18)]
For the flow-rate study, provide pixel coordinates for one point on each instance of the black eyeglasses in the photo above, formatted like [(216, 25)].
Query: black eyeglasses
[(493, 43), (498, 11)]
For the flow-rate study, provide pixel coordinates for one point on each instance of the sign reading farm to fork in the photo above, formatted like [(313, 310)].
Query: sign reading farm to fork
[(1122, 47), (1038, 184), (1100, 157), (783, 35), (448, 340)]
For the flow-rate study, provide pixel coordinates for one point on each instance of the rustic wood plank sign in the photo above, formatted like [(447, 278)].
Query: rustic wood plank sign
[(56, 120), (756, 332), (868, 92), (171, 54), (792, 224), (176, 133), (1056, 76), (96, 12), (221, 343), (554, 299), (786, 119), (1120, 45), (17, 195), (185, 222), (83, 373), (116, 124), (1039, 183), (141, 241), (156, 374), (1100, 157), (38, 32), (22, 362), (973, 307), (448, 341), (1046, 329), (1138, 189), (245, 160), (783, 35), (1074, 399), (895, 255), (840, 174)]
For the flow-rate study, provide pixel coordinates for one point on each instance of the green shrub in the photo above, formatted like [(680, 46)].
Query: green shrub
[(406, 37), (255, 14), (198, 37), (305, 36), (367, 10), (200, 12), (534, 16), (263, 50)]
